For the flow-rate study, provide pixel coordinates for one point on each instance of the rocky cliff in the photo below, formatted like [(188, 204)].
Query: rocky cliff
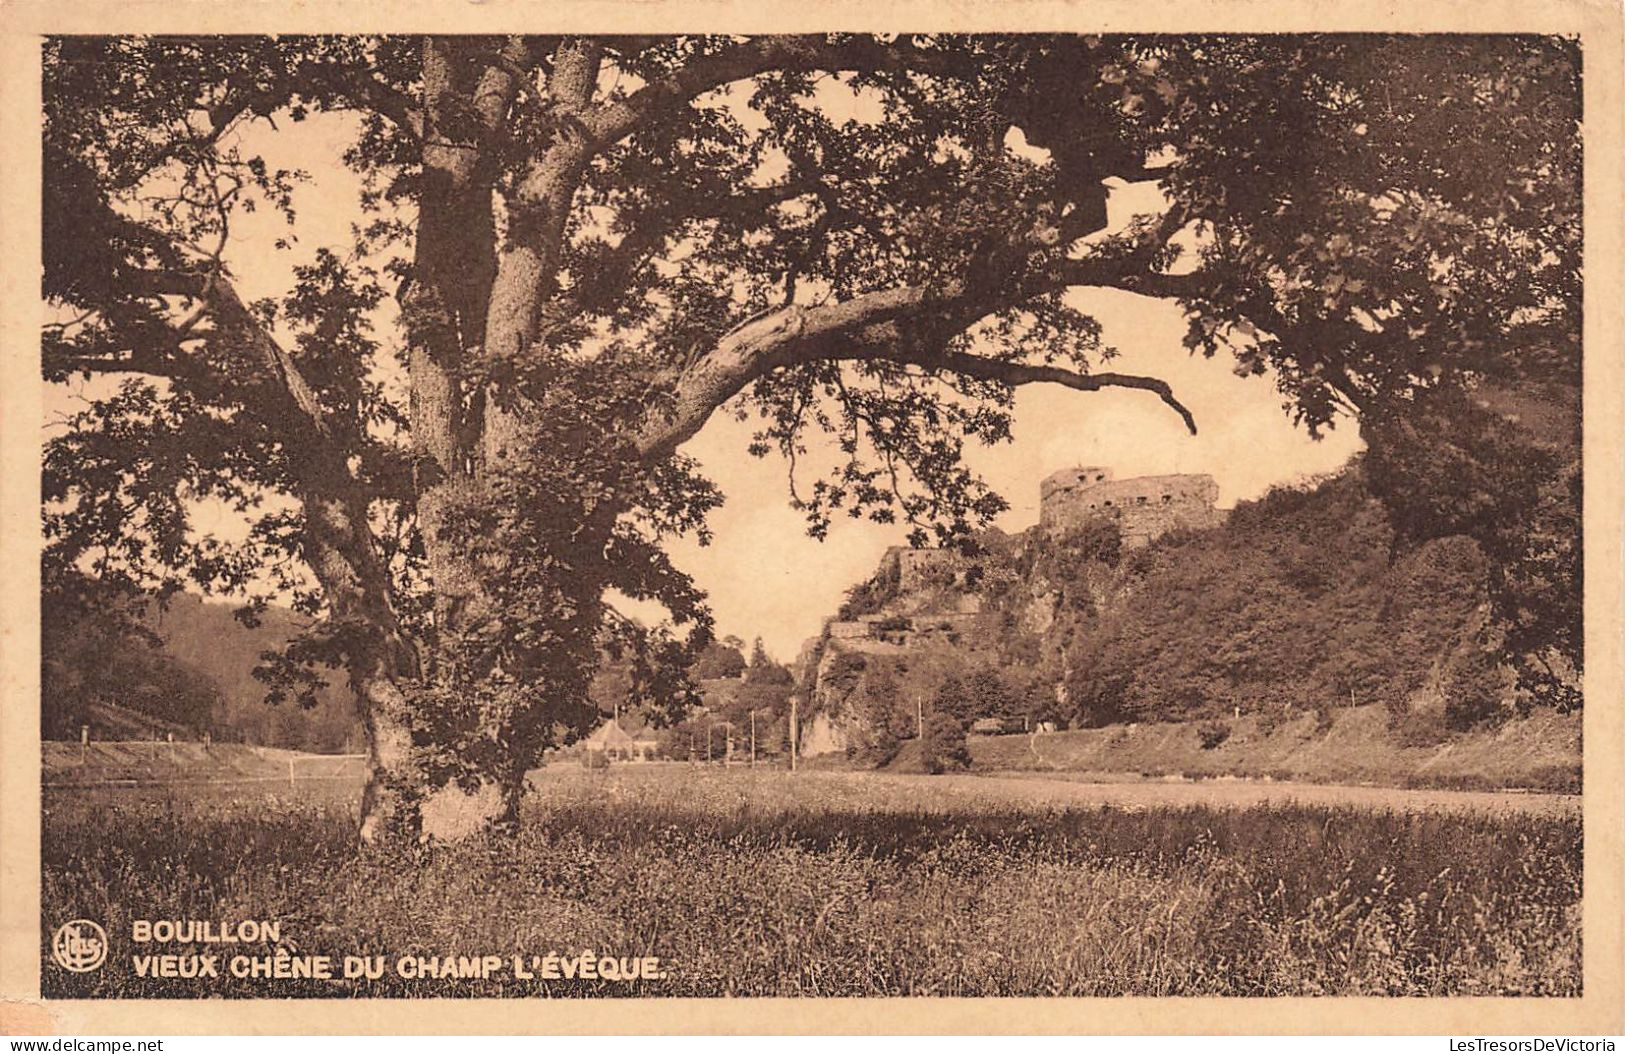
[(926, 613)]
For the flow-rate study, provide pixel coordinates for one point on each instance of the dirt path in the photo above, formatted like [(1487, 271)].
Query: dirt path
[(1049, 789)]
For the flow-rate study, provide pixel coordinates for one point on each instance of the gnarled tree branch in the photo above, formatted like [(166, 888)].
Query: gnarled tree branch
[(909, 325), (610, 122)]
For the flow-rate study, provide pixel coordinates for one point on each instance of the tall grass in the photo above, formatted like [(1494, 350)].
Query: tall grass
[(766, 886)]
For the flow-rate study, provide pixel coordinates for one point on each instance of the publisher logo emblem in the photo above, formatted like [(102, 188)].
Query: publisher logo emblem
[(80, 946)]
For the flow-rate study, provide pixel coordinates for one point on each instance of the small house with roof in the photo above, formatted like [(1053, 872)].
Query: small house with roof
[(617, 744)]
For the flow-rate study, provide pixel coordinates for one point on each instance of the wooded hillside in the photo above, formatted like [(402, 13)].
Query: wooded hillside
[(1305, 601), (190, 663)]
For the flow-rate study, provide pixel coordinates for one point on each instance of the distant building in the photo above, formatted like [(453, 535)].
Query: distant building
[(616, 744)]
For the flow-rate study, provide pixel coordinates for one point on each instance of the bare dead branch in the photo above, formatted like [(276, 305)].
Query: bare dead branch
[(1016, 374)]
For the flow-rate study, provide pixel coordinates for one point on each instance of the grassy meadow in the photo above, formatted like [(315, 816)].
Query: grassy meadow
[(766, 884)]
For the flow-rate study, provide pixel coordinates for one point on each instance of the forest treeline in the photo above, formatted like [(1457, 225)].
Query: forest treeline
[(188, 665), (1307, 598)]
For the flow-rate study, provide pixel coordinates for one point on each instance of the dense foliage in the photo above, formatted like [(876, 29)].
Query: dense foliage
[(718, 659), (942, 746), (1501, 467), (1299, 601)]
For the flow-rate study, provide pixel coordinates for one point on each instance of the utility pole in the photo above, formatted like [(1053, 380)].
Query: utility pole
[(794, 729), (919, 718), (708, 742), (753, 738)]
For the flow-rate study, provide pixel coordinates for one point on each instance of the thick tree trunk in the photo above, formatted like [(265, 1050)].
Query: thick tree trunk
[(344, 557), (453, 264), (452, 426), (389, 808), (471, 305)]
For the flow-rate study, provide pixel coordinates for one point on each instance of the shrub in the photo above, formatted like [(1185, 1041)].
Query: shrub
[(1399, 709), (885, 718), (1325, 717), (1212, 733), (943, 747), (1271, 718), (954, 699), (1472, 688)]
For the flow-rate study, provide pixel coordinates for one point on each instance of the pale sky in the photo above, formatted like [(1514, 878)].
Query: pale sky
[(764, 576)]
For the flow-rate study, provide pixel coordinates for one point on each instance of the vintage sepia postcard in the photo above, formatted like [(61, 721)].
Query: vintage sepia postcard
[(655, 518)]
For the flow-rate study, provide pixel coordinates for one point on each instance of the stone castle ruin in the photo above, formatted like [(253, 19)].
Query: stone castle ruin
[(1144, 507), (935, 580), (919, 569), (926, 604)]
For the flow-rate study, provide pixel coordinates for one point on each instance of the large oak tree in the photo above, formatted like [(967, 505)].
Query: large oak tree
[(595, 244)]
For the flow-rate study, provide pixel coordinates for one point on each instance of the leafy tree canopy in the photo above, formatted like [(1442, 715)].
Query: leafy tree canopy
[(1297, 602)]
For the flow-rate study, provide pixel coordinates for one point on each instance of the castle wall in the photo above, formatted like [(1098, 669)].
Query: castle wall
[(1071, 480), (1145, 507), (884, 634), (919, 569)]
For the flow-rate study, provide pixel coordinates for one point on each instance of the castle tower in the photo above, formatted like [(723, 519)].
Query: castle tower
[(1144, 507)]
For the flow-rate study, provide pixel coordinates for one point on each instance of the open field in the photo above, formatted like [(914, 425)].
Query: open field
[(1083, 789), (770, 884), (1357, 753), (319, 778)]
